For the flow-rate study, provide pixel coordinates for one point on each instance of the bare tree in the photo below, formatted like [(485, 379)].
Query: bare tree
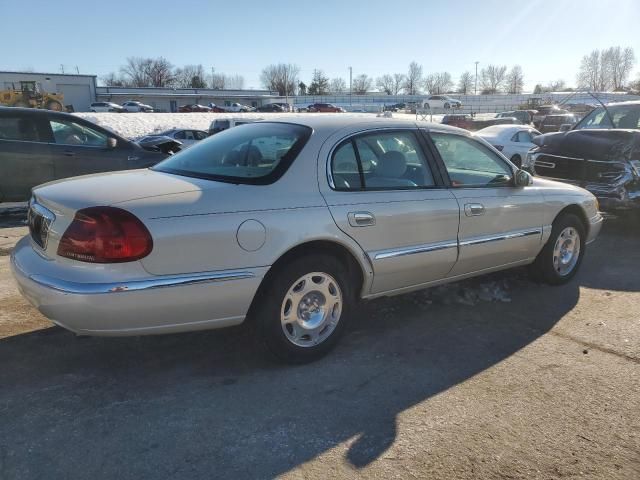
[(515, 80), (413, 79), (190, 76), (437, 83), (555, 86), (593, 72), (218, 81), (161, 72), (136, 72), (362, 84), (337, 85), (398, 81), (617, 64), (492, 78), (465, 83), (282, 77), (431, 83), (113, 80), (319, 83), (234, 82), (385, 84)]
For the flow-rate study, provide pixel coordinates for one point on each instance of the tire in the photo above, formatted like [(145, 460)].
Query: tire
[(312, 332), (517, 161), (427, 106), (447, 106), (54, 105), (551, 265)]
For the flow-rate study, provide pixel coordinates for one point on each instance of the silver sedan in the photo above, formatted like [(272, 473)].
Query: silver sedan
[(287, 224)]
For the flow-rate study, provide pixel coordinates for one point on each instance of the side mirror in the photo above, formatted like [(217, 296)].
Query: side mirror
[(523, 179), (565, 127), (112, 143)]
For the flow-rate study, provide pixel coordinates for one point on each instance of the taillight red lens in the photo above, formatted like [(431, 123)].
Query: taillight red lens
[(105, 235)]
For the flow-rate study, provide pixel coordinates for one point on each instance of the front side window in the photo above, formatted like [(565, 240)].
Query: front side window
[(257, 153), (381, 161), (19, 128), (66, 132), (471, 164)]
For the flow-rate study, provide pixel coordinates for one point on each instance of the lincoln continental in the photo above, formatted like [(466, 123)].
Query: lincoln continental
[(287, 225)]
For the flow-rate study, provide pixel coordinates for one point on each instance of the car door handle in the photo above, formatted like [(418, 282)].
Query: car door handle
[(473, 209), (68, 153), (361, 219)]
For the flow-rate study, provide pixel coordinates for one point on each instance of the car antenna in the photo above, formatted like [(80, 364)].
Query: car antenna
[(605, 108)]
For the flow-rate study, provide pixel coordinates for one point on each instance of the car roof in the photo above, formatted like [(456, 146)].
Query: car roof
[(497, 130), (328, 124), (628, 102)]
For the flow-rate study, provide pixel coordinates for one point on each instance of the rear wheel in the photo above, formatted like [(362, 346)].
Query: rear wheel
[(447, 106), (559, 260), (516, 160), (302, 314)]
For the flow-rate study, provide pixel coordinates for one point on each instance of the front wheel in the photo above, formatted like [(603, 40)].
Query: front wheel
[(302, 314), (559, 260), (517, 161)]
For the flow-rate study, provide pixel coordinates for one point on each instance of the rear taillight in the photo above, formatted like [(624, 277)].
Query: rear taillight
[(105, 235)]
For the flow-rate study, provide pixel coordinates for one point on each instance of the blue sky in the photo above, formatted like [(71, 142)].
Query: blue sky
[(547, 38)]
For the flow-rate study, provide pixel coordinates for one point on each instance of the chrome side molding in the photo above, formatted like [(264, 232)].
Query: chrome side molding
[(498, 238), (77, 288), (433, 247)]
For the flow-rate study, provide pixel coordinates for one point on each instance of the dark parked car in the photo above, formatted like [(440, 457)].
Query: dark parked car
[(524, 117), (552, 123), (544, 110), (194, 108), (270, 107), (37, 146), (601, 153), (325, 107), (395, 107)]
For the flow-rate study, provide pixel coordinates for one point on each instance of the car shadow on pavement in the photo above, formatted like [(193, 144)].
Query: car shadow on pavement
[(210, 405)]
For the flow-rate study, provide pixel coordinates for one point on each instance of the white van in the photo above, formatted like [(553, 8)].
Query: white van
[(225, 123)]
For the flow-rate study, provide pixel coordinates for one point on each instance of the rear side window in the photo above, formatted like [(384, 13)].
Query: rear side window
[(380, 161), (19, 128), (257, 153)]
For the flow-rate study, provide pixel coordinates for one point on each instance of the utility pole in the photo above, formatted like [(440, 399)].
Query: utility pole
[(350, 83), (62, 68), (475, 91)]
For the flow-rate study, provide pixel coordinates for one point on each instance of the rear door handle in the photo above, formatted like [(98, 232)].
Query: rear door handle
[(473, 209), (361, 219)]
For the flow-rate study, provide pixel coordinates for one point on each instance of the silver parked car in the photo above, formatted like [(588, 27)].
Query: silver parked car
[(289, 223)]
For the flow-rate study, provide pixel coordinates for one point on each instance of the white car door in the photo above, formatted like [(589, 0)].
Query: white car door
[(385, 192), (500, 224)]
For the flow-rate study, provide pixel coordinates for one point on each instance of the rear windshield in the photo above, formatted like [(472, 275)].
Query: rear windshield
[(623, 116), (255, 153)]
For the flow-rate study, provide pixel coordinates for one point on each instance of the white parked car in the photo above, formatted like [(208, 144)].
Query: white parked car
[(288, 224), (106, 107), (514, 141), (185, 136), (442, 102), (238, 107), (134, 106)]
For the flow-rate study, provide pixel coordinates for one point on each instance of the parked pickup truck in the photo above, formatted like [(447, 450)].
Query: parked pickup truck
[(600, 153)]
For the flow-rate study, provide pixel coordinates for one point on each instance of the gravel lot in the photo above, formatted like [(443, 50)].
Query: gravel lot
[(542, 382)]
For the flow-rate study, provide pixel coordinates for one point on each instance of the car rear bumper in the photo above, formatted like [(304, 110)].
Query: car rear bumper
[(152, 305)]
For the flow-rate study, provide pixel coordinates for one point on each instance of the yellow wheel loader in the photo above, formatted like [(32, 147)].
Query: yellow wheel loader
[(30, 96)]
